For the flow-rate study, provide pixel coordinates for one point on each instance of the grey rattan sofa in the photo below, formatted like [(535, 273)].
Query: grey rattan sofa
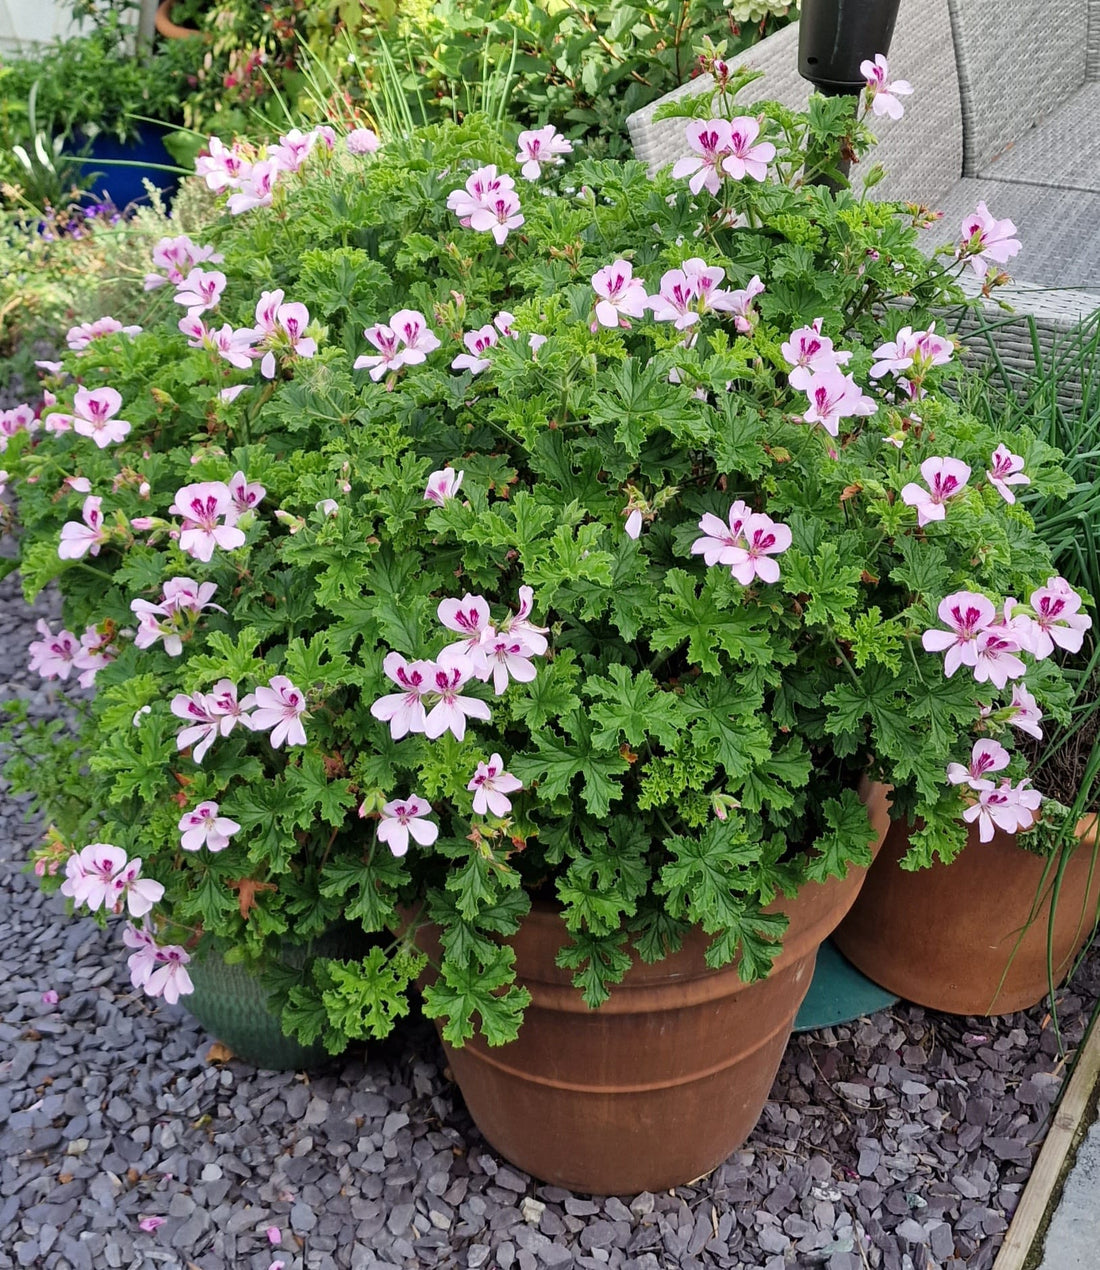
[(1005, 108)]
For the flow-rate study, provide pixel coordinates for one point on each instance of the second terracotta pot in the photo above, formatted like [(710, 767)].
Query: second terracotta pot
[(956, 937), (667, 1078)]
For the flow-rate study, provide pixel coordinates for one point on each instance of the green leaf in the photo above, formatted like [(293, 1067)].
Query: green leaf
[(630, 704), (755, 937), (482, 989), (364, 998), (705, 620), (827, 585), (597, 962), (728, 719), (846, 838), (559, 759)]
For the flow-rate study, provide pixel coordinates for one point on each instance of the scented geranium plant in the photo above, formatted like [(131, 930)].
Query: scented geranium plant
[(475, 524)]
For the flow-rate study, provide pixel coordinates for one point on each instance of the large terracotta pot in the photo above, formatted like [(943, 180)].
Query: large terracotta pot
[(949, 936), (663, 1081)]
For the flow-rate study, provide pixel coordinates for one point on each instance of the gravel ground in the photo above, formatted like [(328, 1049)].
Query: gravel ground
[(902, 1141)]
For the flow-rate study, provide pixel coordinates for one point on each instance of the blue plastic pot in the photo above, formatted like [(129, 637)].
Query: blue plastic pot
[(123, 185)]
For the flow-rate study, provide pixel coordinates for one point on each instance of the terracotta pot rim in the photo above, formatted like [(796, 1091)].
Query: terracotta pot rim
[(162, 20)]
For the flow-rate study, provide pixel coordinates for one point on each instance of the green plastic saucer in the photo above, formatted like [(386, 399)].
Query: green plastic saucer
[(839, 993)]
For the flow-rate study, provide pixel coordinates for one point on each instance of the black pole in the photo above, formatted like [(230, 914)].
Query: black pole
[(834, 37)]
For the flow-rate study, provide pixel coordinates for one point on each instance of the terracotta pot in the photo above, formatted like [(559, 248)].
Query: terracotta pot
[(162, 20), (946, 937), (667, 1078)]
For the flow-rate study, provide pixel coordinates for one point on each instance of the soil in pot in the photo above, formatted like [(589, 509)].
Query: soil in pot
[(956, 937), (667, 1078)]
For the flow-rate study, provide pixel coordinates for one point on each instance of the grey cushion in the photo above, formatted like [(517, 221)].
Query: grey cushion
[(1017, 62), (1064, 151)]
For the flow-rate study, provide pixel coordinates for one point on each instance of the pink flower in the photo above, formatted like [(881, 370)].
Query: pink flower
[(1025, 712), (79, 337), (478, 342), (78, 540), (403, 818), (968, 614), (170, 979), (280, 706), (808, 352), (222, 167), (690, 291), (1008, 808), (203, 827), (470, 618), (53, 656), (747, 156), (621, 294), (883, 96), (235, 346), (412, 331), (243, 497), (222, 704), (362, 141), (482, 188), (711, 142), (538, 147), (96, 651), (149, 1224), (203, 506), (720, 540), (384, 338), (739, 303), (273, 1233), (267, 311), (181, 603), (452, 709), (19, 419), (490, 785), (201, 290), (292, 150), (281, 329), (443, 485), (987, 756), (763, 538), (946, 478), (257, 188), (177, 257), (50, 997), (404, 711), (500, 654), (498, 216), (520, 624), (1058, 620), (1007, 469), (633, 526), (101, 876), (94, 416), (909, 348), (833, 397), (203, 725), (143, 961), (985, 241)]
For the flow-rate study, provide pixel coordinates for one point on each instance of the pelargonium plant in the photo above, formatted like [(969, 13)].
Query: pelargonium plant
[(474, 524)]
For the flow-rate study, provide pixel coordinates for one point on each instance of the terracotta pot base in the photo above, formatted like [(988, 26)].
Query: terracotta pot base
[(946, 937), (667, 1078)]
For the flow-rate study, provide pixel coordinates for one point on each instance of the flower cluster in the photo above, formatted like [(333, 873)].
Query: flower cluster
[(724, 148), (253, 179), (276, 708), (488, 203)]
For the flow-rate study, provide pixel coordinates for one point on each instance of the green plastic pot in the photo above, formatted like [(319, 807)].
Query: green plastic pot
[(231, 1003)]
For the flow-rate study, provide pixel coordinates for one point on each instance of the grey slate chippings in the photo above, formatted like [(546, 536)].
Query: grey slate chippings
[(899, 1142)]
